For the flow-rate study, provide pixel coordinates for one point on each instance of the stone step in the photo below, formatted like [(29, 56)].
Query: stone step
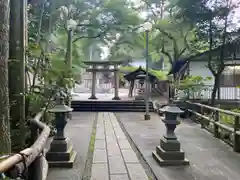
[(63, 164), (170, 145), (135, 102), (106, 105), (170, 155), (162, 162), (60, 144), (109, 110), (111, 106), (60, 156)]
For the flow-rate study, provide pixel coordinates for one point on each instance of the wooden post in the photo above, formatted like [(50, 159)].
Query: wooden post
[(40, 168), (202, 121), (236, 143), (33, 138), (215, 127)]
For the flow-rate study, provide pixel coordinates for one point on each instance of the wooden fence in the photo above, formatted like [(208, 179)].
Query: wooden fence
[(211, 118), (226, 93), (30, 163)]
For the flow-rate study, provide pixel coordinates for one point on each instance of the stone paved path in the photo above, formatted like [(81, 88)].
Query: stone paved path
[(113, 157)]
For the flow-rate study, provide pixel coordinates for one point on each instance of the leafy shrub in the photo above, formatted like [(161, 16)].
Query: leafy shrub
[(191, 86), (227, 119)]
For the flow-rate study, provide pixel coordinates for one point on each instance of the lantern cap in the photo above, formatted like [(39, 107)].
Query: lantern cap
[(171, 108)]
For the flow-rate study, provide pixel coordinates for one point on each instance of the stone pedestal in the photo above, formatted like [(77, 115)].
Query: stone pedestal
[(169, 152), (93, 97), (61, 154)]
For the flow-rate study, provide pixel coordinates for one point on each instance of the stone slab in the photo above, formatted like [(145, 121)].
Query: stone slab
[(100, 135), (124, 144), (129, 156), (136, 172), (113, 150), (100, 172), (163, 162), (99, 156), (116, 165), (120, 135), (99, 144), (111, 139), (119, 177), (118, 152)]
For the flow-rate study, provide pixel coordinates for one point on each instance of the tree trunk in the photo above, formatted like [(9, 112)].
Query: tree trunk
[(17, 70), (215, 89), (5, 139)]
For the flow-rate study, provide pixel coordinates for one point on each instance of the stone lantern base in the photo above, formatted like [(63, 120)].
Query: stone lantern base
[(61, 154), (116, 98), (169, 153), (93, 97)]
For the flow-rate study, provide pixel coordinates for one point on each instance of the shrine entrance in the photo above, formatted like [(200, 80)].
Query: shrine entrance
[(95, 67), (137, 79)]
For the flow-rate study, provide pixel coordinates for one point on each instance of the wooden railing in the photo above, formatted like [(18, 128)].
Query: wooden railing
[(30, 163), (210, 118)]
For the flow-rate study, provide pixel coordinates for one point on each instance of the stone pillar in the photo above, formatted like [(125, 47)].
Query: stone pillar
[(94, 76), (116, 83)]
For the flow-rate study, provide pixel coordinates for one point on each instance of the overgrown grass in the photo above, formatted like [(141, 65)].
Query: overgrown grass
[(92, 141)]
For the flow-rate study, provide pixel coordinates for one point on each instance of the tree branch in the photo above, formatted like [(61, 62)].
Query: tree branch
[(103, 32), (91, 37), (149, 5), (210, 49), (167, 54), (182, 52), (165, 33)]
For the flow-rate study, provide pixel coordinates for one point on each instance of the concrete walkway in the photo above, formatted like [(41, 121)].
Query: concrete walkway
[(210, 158), (113, 157)]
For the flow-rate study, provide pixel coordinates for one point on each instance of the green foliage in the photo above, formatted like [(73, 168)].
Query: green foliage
[(99, 22), (171, 37), (227, 119), (191, 86)]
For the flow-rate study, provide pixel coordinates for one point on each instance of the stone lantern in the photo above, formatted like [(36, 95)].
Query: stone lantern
[(61, 153), (169, 152)]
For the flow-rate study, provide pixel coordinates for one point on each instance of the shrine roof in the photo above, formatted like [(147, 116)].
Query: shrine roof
[(138, 73), (102, 62)]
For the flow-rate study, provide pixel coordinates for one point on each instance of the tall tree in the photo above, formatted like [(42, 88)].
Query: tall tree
[(5, 139), (214, 21), (17, 49), (170, 37)]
